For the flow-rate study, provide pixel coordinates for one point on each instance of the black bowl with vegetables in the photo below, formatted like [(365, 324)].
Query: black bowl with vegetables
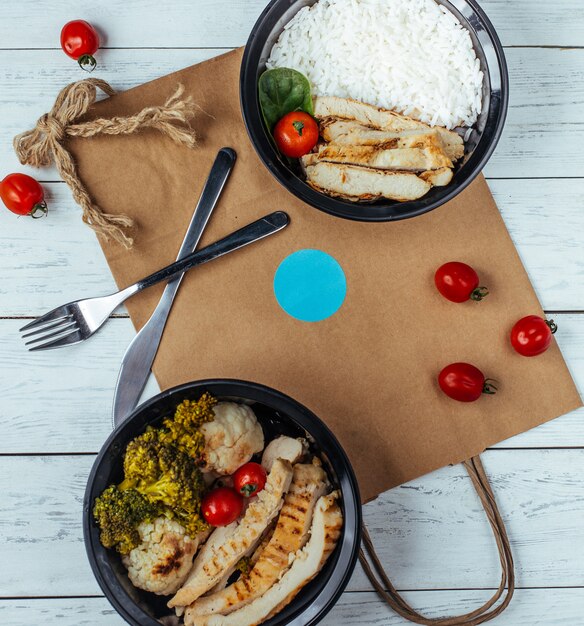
[(262, 103), (278, 415)]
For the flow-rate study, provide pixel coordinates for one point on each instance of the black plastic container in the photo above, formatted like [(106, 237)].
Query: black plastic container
[(479, 144), (278, 414)]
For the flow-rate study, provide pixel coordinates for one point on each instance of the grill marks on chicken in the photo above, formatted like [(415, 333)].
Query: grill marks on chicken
[(371, 153), (378, 157), (368, 115), (350, 132), (325, 531), (210, 565), (290, 535)]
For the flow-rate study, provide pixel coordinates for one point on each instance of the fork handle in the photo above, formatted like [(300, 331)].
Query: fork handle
[(255, 231)]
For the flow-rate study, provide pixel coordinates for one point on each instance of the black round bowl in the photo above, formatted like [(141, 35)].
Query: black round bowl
[(278, 414), (479, 144)]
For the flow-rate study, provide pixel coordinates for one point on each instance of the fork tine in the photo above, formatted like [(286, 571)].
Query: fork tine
[(69, 327), (60, 322), (71, 338), (53, 315)]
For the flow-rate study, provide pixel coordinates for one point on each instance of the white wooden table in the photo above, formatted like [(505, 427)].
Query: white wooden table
[(55, 407)]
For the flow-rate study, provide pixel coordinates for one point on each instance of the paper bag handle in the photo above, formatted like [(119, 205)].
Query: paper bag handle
[(387, 591)]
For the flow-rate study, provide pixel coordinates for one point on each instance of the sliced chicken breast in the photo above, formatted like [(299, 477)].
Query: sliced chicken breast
[(252, 554), (350, 132), (284, 448), (290, 535), (324, 533), (396, 159), (438, 178), (342, 108), (210, 566), (361, 183)]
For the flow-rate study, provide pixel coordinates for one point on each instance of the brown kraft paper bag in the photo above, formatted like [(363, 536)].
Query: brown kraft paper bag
[(370, 370)]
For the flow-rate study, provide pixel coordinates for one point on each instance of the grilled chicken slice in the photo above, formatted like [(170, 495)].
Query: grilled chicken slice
[(291, 533), (350, 132), (209, 568), (324, 533), (361, 183), (252, 554), (284, 448), (326, 107), (396, 159), (438, 178)]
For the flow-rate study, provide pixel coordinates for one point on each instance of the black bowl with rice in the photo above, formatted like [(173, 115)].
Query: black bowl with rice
[(440, 103)]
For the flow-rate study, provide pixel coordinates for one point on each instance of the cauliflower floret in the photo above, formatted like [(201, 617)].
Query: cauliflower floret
[(232, 438), (162, 562)]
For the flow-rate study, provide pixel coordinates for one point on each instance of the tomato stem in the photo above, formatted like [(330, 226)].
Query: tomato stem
[(552, 326), (479, 293), (249, 490), (87, 62), (298, 126), (39, 210), (490, 386)]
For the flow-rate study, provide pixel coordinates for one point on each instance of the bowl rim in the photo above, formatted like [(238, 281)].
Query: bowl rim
[(279, 401), (329, 204)]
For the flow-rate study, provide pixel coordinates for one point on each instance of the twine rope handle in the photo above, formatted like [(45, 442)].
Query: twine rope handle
[(43, 145), (378, 577)]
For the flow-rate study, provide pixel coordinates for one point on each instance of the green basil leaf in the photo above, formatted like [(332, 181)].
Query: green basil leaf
[(283, 90)]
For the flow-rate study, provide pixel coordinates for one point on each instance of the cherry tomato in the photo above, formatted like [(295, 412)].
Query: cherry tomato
[(80, 41), (296, 134), (532, 335), (458, 282), (222, 506), (464, 382), (249, 479), (23, 195)]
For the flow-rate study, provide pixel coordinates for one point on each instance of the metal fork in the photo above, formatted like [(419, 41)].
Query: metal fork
[(76, 321)]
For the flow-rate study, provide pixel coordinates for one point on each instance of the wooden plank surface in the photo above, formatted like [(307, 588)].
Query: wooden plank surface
[(70, 409), (51, 261), (542, 138), (530, 607), (212, 23), (431, 533)]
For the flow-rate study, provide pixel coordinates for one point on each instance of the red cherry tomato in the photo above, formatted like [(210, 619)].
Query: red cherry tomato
[(222, 506), (458, 282), (464, 382), (80, 41), (23, 195), (296, 134), (249, 479), (532, 335)]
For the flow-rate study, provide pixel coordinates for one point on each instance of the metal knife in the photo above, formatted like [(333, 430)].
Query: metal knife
[(140, 354)]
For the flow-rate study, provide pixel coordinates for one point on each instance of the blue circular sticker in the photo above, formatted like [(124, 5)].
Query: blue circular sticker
[(310, 285)]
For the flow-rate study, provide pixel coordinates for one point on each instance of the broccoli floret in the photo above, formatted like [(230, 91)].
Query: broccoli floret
[(142, 459), (161, 477), (183, 428), (167, 476), (118, 515)]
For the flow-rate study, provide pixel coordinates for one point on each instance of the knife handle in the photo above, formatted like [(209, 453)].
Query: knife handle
[(255, 231)]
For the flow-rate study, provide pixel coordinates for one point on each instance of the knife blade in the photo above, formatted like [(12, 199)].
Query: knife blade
[(140, 354)]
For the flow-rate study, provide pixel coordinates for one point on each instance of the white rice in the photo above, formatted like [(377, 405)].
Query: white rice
[(412, 56)]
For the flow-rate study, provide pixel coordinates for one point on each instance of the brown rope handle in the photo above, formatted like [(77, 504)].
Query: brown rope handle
[(44, 144), (387, 591)]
